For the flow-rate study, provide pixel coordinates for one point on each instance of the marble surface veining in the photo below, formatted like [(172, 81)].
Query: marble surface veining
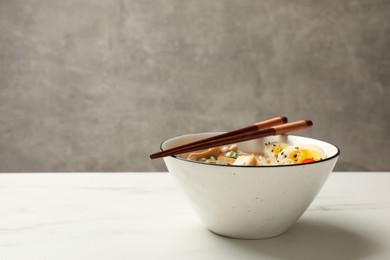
[(144, 216)]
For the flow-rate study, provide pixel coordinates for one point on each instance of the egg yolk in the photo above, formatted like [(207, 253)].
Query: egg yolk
[(276, 150), (300, 155)]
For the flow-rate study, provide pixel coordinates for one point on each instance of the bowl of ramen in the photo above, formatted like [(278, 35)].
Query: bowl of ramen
[(254, 189)]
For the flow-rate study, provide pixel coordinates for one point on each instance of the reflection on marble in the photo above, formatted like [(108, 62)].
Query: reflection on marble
[(144, 216)]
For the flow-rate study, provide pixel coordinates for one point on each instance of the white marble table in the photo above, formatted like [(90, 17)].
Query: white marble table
[(144, 216)]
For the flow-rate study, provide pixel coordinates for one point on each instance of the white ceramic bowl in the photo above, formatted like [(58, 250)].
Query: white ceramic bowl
[(250, 202)]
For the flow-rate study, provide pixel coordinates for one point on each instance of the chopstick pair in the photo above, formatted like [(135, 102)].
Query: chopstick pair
[(273, 126)]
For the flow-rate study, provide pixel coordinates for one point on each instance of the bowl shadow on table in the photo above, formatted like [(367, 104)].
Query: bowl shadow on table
[(309, 239)]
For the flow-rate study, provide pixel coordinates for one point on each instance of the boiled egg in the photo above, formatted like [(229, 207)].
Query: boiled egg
[(272, 149), (298, 153)]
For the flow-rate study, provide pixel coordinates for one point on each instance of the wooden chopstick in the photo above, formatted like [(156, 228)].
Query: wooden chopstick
[(275, 130), (252, 128)]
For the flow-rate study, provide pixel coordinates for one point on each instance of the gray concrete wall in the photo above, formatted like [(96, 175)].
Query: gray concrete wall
[(89, 85)]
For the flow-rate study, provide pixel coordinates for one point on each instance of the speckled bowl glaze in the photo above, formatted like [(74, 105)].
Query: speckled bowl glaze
[(250, 202)]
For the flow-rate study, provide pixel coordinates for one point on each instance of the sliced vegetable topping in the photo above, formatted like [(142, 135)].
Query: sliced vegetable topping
[(308, 160), (231, 154)]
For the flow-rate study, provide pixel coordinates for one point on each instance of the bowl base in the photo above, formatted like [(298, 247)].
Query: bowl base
[(247, 237)]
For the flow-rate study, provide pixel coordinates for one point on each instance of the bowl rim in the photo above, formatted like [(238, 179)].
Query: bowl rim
[(337, 154)]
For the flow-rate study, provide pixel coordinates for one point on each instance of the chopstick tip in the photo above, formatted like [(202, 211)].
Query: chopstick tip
[(309, 122)]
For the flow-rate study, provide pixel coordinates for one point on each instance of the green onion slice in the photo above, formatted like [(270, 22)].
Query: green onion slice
[(231, 154)]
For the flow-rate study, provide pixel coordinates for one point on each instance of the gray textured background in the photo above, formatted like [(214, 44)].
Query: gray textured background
[(90, 85)]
